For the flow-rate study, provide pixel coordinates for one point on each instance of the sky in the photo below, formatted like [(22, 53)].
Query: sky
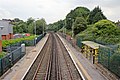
[(54, 10)]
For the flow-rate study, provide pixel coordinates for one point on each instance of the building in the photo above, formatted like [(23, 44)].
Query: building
[(7, 31), (1, 27), (0, 42)]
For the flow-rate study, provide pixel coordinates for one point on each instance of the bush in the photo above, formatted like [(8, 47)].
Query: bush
[(6, 43), (2, 54), (104, 31)]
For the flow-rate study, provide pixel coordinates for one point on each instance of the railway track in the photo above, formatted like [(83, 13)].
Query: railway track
[(54, 63)]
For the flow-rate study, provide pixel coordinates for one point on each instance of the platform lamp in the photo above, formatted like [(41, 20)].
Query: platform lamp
[(35, 29), (72, 26)]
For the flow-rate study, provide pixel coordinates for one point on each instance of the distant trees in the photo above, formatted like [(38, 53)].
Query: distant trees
[(95, 15), (56, 25), (29, 26)]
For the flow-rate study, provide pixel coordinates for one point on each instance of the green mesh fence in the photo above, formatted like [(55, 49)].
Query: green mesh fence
[(109, 57), (79, 42)]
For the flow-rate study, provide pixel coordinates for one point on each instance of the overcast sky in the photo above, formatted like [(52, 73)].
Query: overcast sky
[(54, 10)]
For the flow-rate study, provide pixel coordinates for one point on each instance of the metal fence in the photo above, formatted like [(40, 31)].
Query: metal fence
[(40, 37), (12, 47), (79, 42), (29, 42), (109, 57), (9, 60)]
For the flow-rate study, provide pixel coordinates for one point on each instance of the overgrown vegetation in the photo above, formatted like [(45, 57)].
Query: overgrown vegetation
[(104, 31), (13, 41)]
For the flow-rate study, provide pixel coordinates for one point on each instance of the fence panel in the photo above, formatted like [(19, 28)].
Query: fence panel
[(79, 42), (29, 42), (0, 66), (39, 38), (12, 47), (6, 63), (110, 58), (16, 55), (10, 59)]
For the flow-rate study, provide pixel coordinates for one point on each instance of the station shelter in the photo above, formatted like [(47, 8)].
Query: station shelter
[(90, 50)]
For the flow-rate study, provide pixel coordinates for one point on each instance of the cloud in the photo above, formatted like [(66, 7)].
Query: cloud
[(4, 13), (54, 10)]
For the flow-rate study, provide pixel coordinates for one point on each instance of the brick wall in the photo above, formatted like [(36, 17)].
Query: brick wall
[(11, 35), (5, 37)]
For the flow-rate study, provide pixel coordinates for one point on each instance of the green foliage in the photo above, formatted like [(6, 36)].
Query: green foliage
[(40, 26), (29, 26), (57, 25), (104, 31), (13, 41), (95, 15), (2, 54), (77, 12), (80, 24)]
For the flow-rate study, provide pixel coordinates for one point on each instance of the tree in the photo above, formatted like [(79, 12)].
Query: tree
[(30, 20), (79, 25), (77, 12), (40, 26), (29, 26), (95, 15)]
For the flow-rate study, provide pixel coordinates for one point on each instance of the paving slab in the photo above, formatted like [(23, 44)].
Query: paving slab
[(18, 71), (87, 68)]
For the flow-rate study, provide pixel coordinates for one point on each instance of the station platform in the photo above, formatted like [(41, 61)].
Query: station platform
[(88, 70), (19, 70)]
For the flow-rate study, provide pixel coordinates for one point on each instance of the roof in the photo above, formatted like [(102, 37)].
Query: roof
[(92, 44)]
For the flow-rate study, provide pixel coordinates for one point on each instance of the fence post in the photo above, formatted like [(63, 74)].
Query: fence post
[(99, 55), (12, 58), (109, 58), (1, 66), (23, 49)]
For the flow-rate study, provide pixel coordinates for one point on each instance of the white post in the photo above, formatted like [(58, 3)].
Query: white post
[(23, 48)]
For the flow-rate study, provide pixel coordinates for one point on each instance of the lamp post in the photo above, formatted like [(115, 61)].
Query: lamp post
[(72, 28), (43, 28), (35, 34), (35, 27), (65, 29)]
